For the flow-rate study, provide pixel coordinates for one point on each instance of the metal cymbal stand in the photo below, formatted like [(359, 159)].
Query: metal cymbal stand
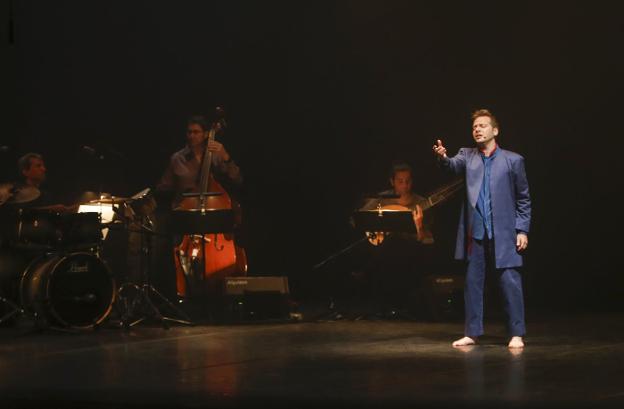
[(143, 306), (14, 309)]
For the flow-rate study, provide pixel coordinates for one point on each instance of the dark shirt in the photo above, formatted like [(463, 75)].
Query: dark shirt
[(482, 223)]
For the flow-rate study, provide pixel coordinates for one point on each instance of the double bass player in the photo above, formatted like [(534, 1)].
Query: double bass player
[(184, 166), (203, 165)]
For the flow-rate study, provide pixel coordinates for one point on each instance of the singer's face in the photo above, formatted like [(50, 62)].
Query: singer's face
[(402, 182), (195, 135), (482, 130), (37, 171)]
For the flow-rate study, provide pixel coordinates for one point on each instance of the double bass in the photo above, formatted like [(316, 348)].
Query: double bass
[(204, 257)]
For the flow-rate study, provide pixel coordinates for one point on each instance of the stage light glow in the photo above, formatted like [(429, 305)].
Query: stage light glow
[(104, 209)]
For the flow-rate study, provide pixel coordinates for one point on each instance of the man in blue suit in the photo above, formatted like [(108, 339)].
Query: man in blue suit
[(494, 224)]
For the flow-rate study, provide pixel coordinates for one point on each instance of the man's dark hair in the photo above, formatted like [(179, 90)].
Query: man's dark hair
[(399, 166), (24, 162), (199, 120)]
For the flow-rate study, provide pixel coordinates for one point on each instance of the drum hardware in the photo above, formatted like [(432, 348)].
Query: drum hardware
[(14, 309), (37, 321), (12, 263), (137, 301)]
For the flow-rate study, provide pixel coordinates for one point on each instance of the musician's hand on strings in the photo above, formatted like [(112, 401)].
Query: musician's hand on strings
[(522, 241), (439, 149), (417, 214), (219, 149)]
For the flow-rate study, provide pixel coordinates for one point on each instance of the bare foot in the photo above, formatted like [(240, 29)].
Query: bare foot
[(465, 341), (516, 352), (516, 342), (469, 348)]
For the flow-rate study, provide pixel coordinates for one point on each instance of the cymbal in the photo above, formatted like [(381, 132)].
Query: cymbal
[(6, 192), (25, 194), (110, 200)]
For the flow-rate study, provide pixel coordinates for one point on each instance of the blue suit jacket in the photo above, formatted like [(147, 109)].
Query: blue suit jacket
[(511, 203)]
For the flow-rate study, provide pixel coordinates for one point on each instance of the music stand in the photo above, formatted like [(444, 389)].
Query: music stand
[(386, 221)]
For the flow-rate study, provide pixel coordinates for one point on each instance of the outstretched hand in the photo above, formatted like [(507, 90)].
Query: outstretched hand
[(439, 149)]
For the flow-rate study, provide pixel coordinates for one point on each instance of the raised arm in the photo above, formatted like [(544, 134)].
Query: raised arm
[(456, 164)]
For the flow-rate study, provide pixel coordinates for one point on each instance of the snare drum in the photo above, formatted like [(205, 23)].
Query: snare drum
[(73, 290)]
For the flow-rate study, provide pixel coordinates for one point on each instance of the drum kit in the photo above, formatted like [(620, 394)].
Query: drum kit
[(51, 270)]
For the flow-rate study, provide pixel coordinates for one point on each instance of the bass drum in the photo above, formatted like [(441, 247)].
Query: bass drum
[(73, 290)]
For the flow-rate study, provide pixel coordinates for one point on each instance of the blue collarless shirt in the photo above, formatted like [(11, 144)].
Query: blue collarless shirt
[(482, 222)]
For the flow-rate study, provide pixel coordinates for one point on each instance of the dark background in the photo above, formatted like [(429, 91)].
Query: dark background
[(320, 97)]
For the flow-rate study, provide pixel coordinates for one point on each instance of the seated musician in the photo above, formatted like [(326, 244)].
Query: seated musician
[(400, 260), (185, 165), (28, 192), (401, 182)]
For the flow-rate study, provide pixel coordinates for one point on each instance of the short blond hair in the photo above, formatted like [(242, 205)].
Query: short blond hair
[(485, 112)]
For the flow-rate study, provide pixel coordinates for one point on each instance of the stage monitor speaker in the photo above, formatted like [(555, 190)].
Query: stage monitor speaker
[(444, 296), (255, 299)]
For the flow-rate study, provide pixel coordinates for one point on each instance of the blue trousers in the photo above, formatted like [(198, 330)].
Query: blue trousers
[(481, 261)]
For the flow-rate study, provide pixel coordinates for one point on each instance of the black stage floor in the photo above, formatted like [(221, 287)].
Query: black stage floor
[(569, 361)]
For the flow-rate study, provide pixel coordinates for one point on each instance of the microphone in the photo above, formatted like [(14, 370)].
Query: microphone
[(99, 154), (92, 152), (89, 150)]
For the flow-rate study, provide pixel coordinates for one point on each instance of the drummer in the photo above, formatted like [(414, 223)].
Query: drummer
[(28, 192), (25, 194)]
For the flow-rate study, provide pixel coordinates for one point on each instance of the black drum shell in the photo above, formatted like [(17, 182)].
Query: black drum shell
[(73, 290), (35, 228), (81, 230)]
